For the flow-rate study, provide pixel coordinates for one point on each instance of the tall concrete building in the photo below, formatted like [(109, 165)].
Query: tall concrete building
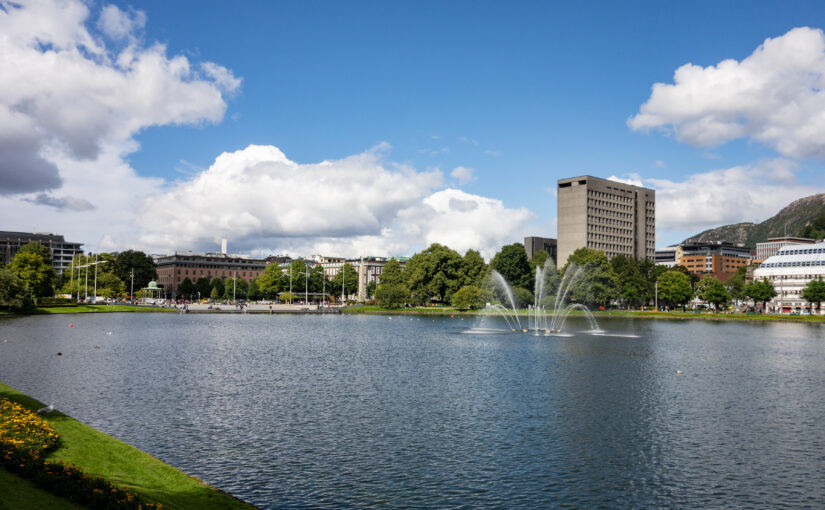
[(616, 218), (62, 251)]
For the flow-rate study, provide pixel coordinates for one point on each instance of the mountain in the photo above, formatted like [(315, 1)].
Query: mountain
[(796, 216)]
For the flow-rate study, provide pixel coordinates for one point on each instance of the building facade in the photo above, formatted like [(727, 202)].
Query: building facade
[(532, 245), (368, 269), (616, 218), (790, 270), (667, 256), (62, 251), (774, 244), (173, 269), (718, 259)]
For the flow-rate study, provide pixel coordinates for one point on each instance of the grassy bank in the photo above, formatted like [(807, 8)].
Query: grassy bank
[(447, 311), (124, 465), (89, 308)]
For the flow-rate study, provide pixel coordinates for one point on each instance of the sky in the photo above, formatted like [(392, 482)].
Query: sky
[(378, 128)]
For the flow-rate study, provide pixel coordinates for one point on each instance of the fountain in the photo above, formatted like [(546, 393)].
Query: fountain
[(541, 319)]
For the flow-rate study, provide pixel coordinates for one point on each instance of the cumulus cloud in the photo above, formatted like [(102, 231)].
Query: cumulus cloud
[(776, 96), (357, 205), (632, 179), (65, 94), (725, 196), (462, 174)]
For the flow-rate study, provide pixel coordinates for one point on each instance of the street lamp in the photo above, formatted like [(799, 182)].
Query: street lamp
[(305, 272)]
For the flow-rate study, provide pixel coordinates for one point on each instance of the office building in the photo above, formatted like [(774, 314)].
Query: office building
[(173, 269), (532, 245), (616, 218), (790, 270), (772, 246), (62, 251), (718, 259)]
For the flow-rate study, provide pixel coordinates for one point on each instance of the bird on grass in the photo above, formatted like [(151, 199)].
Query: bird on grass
[(49, 408)]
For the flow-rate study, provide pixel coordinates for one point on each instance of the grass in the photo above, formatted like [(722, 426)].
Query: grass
[(19, 493), (90, 308), (99, 454)]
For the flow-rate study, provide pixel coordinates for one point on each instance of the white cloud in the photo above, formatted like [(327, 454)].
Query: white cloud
[(661, 164), (463, 175), (632, 179), (65, 95), (265, 203), (118, 24), (725, 196), (493, 153), (775, 96)]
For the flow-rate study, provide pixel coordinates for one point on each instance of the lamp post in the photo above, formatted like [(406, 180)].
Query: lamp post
[(132, 289), (343, 283), (233, 285), (305, 272)]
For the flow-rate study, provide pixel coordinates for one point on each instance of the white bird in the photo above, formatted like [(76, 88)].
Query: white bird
[(109, 333), (49, 408), (679, 372)]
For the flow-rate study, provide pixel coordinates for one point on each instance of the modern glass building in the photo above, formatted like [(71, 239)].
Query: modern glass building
[(790, 270)]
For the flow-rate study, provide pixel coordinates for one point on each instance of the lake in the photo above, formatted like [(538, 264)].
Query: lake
[(294, 411)]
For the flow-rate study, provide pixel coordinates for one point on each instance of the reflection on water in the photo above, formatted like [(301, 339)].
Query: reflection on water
[(309, 411)]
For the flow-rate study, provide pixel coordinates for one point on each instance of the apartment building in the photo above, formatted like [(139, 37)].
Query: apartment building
[(63, 252), (172, 269)]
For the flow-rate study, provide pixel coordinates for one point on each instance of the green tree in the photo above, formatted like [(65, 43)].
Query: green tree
[(271, 280), (694, 278), (713, 291), (391, 273), (815, 229), (736, 283), (318, 281), (13, 294), (761, 291), (109, 285), (538, 260), (217, 284), (203, 287), (511, 262), (286, 297), (814, 292), (435, 273), (631, 282), (467, 297), (214, 294), (234, 289), (349, 277), (252, 292), (144, 267), (392, 295), (597, 284), (37, 275), (674, 288), (371, 286), (186, 288), (475, 269), (39, 249)]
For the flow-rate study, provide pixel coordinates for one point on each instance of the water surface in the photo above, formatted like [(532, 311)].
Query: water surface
[(355, 411)]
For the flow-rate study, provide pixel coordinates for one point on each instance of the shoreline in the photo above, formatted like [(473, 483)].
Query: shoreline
[(98, 453)]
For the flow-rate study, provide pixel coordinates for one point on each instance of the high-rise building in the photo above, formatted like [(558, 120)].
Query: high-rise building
[(616, 218), (62, 251), (532, 245)]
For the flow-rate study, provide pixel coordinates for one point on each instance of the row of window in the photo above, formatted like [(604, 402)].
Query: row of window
[(796, 263), (802, 251)]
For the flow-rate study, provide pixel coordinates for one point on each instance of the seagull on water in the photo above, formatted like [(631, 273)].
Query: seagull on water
[(49, 408)]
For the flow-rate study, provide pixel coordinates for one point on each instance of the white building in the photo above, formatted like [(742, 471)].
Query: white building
[(774, 244), (790, 270)]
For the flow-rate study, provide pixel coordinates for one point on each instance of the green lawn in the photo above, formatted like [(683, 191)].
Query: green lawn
[(18, 493), (91, 308), (100, 454)]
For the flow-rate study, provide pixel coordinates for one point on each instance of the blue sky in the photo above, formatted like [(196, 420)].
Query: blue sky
[(520, 93)]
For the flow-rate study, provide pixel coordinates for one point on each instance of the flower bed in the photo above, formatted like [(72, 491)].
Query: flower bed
[(26, 439)]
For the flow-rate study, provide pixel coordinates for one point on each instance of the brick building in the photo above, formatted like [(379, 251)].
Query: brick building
[(172, 269)]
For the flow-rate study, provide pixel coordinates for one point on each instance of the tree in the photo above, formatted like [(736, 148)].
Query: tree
[(674, 288), (39, 249), (286, 297), (475, 269), (392, 295), (217, 284), (736, 283), (214, 294), (630, 280), (13, 294), (37, 275), (203, 287), (371, 289), (538, 260), (391, 274), (511, 262), (348, 277), (435, 273), (713, 291), (694, 278), (814, 230), (271, 280), (143, 265), (297, 269), (234, 288), (467, 297), (597, 284), (814, 292), (317, 278), (109, 285), (252, 292), (761, 291), (186, 287)]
